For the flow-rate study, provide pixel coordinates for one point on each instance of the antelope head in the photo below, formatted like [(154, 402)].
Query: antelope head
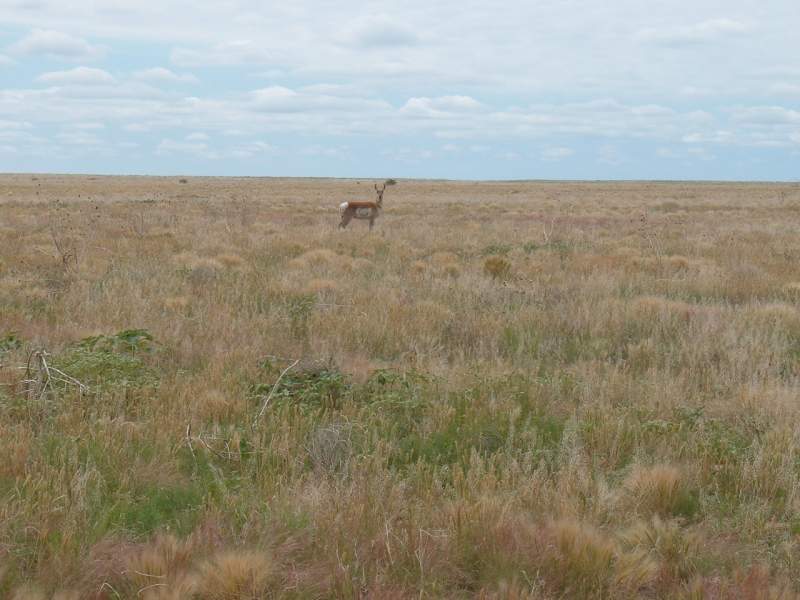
[(380, 191)]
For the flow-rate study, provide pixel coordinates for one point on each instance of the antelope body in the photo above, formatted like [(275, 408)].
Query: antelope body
[(362, 209)]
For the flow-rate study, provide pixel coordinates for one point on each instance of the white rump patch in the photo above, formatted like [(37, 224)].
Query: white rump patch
[(343, 207)]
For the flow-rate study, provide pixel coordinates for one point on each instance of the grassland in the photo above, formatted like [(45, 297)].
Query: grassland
[(507, 390)]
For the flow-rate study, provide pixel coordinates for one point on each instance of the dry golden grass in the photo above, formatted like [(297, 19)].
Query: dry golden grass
[(507, 390)]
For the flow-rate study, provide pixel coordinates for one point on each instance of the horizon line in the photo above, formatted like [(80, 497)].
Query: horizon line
[(431, 179)]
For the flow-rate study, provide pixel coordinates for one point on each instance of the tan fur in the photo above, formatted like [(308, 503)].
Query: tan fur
[(362, 209)]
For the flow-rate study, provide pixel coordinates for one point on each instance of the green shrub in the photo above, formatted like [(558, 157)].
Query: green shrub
[(496, 249), (10, 342), (109, 361), (530, 247), (317, 385)]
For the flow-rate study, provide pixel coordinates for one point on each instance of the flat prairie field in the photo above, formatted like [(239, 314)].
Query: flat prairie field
[(535, 390)]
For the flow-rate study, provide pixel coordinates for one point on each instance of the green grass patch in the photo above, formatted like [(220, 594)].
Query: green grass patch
[(155, 507), (497, 249), (320, 386), (111, 361)]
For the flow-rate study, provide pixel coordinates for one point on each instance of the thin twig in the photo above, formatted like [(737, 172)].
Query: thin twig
[(151, 586), (150, 575), (272, 391), (69, 379), (43, 368), (109, 586), (547, 234), (189, 439), (209, 448)]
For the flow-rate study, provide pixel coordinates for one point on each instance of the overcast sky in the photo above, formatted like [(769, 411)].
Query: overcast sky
[(522, 89)]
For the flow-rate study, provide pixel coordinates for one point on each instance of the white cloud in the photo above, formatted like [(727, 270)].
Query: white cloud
[(782, 88), (252, 149), (6, 61), (332, 89), (441, 107), (55, 44), (379, 32), (138, 127), (169, 147), (79, 138), (279, 99), (337, 152), (198, 136), (699, 152), (699, 33), (408, 155), (86, 126), (610, 155), (710, 137), (77, 76), (139, 109), (766, 115), (163, 75), (6, 125), (235, 52), (557, 153)]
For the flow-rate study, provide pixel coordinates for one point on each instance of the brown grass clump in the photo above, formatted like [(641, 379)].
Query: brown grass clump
[(235, 575), (418, 268), (321, 287), (163, 561), (676, 264), (657, 489), (452, 271), (28, 592), (184, 259), (497, 267), (582, 548), (659, 309), (661, 266), (231, 261), (443, 259), (177, 303), (67, 595), (585, 561), (15, 448), (782, 316), (214, 405), (362, 265), (319, 258), (435, 312), (676, 550), (207, 264)]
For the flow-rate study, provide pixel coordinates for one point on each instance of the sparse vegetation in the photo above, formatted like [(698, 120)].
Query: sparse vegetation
[(533, 393)]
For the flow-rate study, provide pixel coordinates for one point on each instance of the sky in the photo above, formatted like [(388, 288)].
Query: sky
[(523, 89)]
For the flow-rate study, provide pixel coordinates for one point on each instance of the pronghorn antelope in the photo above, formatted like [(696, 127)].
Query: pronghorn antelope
[(362, 209)]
